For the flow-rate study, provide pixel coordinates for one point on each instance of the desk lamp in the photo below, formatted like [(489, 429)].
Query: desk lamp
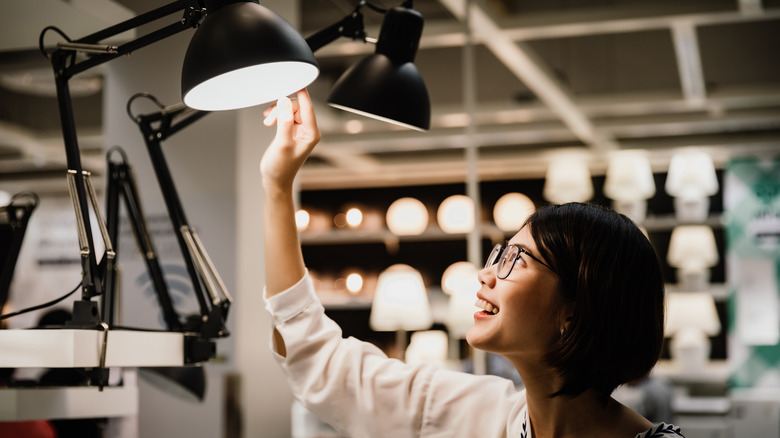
[(242, 54), (14, 218), (282, 47), (387, 85)]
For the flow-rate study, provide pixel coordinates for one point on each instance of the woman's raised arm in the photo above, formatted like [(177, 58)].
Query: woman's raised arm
[(296, 136)]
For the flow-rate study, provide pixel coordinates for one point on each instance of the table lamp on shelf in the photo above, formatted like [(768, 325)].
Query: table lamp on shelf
[(460, 282), (400, 304), (568, 180), (456, 214), (427, 346), (407, 217), (690, 319), (691, 180), (511, 211), (692, 250), (629, 183)]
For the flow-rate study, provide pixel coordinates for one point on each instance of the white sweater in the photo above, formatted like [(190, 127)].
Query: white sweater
[(354, 387)]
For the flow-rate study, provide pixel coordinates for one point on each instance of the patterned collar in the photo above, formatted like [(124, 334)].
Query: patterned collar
[(660, 430)]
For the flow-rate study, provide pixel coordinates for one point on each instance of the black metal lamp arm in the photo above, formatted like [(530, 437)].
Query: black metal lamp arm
[(65, 65), (155, 128)]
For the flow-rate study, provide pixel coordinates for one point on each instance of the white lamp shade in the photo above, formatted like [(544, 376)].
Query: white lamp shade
[(400, 301), (456, 214), (568, 180), (691, 310), (428, 346), (629, 177), (407, 217), (460, 277), (461, 283), (692, 247), (511, 211), (691, 175)]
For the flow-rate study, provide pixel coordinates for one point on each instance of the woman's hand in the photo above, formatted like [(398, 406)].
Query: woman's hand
[(296, 136)]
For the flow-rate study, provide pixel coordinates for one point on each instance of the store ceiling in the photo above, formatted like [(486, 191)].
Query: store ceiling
[(548, 76)]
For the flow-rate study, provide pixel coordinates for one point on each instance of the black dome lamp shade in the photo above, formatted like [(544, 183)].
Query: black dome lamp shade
[(387, 85), (244, 54)]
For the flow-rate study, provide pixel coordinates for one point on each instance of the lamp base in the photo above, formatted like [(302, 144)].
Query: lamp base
[(691, 209), (690, 349), (85, 315), (636, 210)]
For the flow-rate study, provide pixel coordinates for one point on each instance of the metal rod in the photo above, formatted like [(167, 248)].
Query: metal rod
[(212, 269), (101, 224), (82, 232), (188, 234)]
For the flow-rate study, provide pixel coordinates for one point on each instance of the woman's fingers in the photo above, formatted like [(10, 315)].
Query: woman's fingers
[(270, 116), (306, 107), (285, 118)]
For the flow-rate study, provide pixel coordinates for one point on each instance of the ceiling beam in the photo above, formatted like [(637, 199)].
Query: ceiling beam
[(438, 34), (522, 61), (686, 49)]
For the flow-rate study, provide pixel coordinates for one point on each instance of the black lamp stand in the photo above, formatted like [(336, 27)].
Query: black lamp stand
[(65, 65)]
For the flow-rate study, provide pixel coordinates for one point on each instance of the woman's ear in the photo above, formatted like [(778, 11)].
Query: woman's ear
[(566, 315)]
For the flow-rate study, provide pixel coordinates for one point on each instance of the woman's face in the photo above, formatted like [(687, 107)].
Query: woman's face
[(526, 316)]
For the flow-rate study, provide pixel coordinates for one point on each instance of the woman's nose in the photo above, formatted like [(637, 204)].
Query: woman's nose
[(487, 276)]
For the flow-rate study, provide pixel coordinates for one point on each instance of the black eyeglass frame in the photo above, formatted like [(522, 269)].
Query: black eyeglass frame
[(498, 251)]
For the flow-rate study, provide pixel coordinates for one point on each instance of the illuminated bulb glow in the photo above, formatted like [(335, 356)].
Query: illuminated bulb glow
[(302, 219), (400, 301), (251, 86), (354, 283), (456, 214), (354, 217), (460, 277), (511, 211), (407, 217)]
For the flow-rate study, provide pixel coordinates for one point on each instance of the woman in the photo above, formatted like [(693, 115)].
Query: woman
[(574, 301)]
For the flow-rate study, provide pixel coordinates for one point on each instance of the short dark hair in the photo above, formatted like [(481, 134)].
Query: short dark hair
[(611, 275)]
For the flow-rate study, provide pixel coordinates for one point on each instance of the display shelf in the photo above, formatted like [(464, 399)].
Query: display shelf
[(341, 236), (25, 404), (716, 372), (77, 348), (667, 222), (488, 230)]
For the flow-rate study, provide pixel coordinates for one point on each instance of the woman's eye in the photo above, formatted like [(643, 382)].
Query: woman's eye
[(521, 260)]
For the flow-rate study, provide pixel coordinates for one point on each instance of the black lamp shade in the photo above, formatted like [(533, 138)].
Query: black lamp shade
[(387, 85), (244, 54), (378, 88)]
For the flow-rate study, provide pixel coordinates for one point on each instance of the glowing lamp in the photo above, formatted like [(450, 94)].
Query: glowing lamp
[(407, 217), (456, 214), (511, 211)]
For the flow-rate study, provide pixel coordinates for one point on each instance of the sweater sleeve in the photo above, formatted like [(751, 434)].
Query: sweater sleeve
[(354, 387)]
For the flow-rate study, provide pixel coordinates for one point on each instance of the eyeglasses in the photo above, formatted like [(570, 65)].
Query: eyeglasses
[(507, 257)]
